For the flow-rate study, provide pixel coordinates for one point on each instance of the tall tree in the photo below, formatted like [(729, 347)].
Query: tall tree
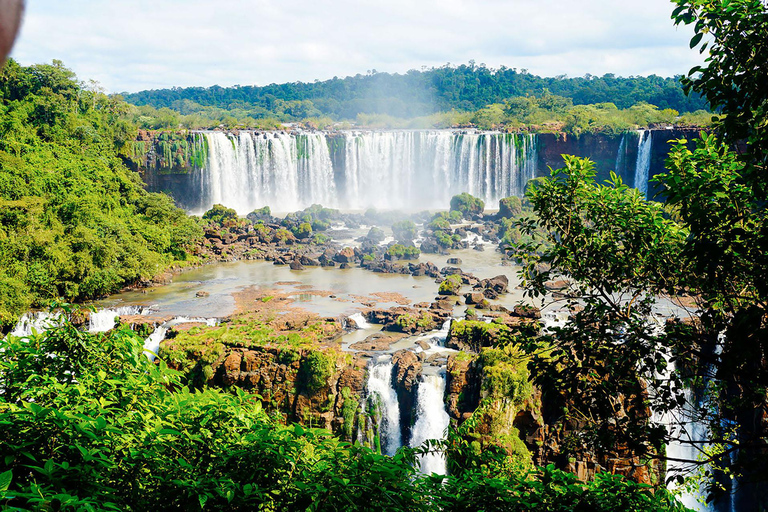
[(707, 243)]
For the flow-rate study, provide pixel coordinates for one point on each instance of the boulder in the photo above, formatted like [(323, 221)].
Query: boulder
[(346, 255), (473, 298)]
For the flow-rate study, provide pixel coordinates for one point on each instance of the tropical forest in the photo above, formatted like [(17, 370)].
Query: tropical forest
[(453, 288)]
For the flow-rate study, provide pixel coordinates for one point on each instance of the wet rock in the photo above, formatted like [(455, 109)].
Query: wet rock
[(377, 342), (493, 286), (308, 261), (327, 258), (346, 255), (473, 298), (202, 293), (423, 344), (462, 386), (407, 369), (344, 266), (527, 312), (558, 285), (296, 265), (454, 261)]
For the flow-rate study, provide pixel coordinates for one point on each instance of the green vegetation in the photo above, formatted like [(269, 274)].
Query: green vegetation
[(451, 285), (510, 207), (708, 241), (403, 252), (219, 214), (475, 334), (316, 369), (439, 224), (105, 429), (302, 231), (75, 223), (404, 231), (437, 97), (412, 323), (467, 204)]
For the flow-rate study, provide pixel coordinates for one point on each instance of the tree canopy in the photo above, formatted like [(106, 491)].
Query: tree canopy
[(705, 249), (75, 222)]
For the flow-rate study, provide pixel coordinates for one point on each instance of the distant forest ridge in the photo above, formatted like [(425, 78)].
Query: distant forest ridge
[(466, 87)]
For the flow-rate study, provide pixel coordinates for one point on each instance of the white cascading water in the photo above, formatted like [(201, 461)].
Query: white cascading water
[(39, 322), (152, 343), (380, 386), (105, 319), (643, 165), (360, 321), (432, 420), (251, 170), (621, 156), (389, 170), (400, 169)]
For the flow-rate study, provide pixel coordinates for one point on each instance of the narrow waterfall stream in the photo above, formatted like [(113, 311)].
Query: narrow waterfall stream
[(105, 319), (384, 396), (432, 420), (643, 165)]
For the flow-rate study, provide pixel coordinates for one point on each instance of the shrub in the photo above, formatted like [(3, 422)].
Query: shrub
[(510, 207), (403, 252), (451, 285), (467, 204), (404, 231), (219, 214)]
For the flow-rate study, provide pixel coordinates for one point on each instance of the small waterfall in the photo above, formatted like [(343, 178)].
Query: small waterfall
[(38, 322), (152, 343), (432, 420), (382, 398), (643, 165), (360, 321), (621, 156), (106, 319), (391, 169)]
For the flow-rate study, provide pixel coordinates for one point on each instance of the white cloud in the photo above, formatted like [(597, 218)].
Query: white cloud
[(153, 44)]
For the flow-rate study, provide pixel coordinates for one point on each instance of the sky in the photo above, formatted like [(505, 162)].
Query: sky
[(134, 45)]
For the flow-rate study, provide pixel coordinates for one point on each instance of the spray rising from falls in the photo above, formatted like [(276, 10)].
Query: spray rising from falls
[(359, 170)]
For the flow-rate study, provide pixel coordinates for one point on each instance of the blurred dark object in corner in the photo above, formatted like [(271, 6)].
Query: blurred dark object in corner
[(10, 19)]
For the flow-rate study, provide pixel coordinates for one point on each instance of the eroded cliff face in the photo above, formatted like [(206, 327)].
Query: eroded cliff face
[(493, 401), (616, 153), (178, 163)]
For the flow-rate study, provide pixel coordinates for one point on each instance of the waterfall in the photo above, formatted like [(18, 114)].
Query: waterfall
[(425, 168), (389, 169), (431, 420), (360, 321), (39, 322), (643, 165), (105, 319), (152, 343), (249, 170), (621, 156), (383, 396)]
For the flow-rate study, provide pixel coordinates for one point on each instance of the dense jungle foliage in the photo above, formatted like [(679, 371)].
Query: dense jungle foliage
[(88, 423), (435, 98), (75, 223), (620, 253)]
